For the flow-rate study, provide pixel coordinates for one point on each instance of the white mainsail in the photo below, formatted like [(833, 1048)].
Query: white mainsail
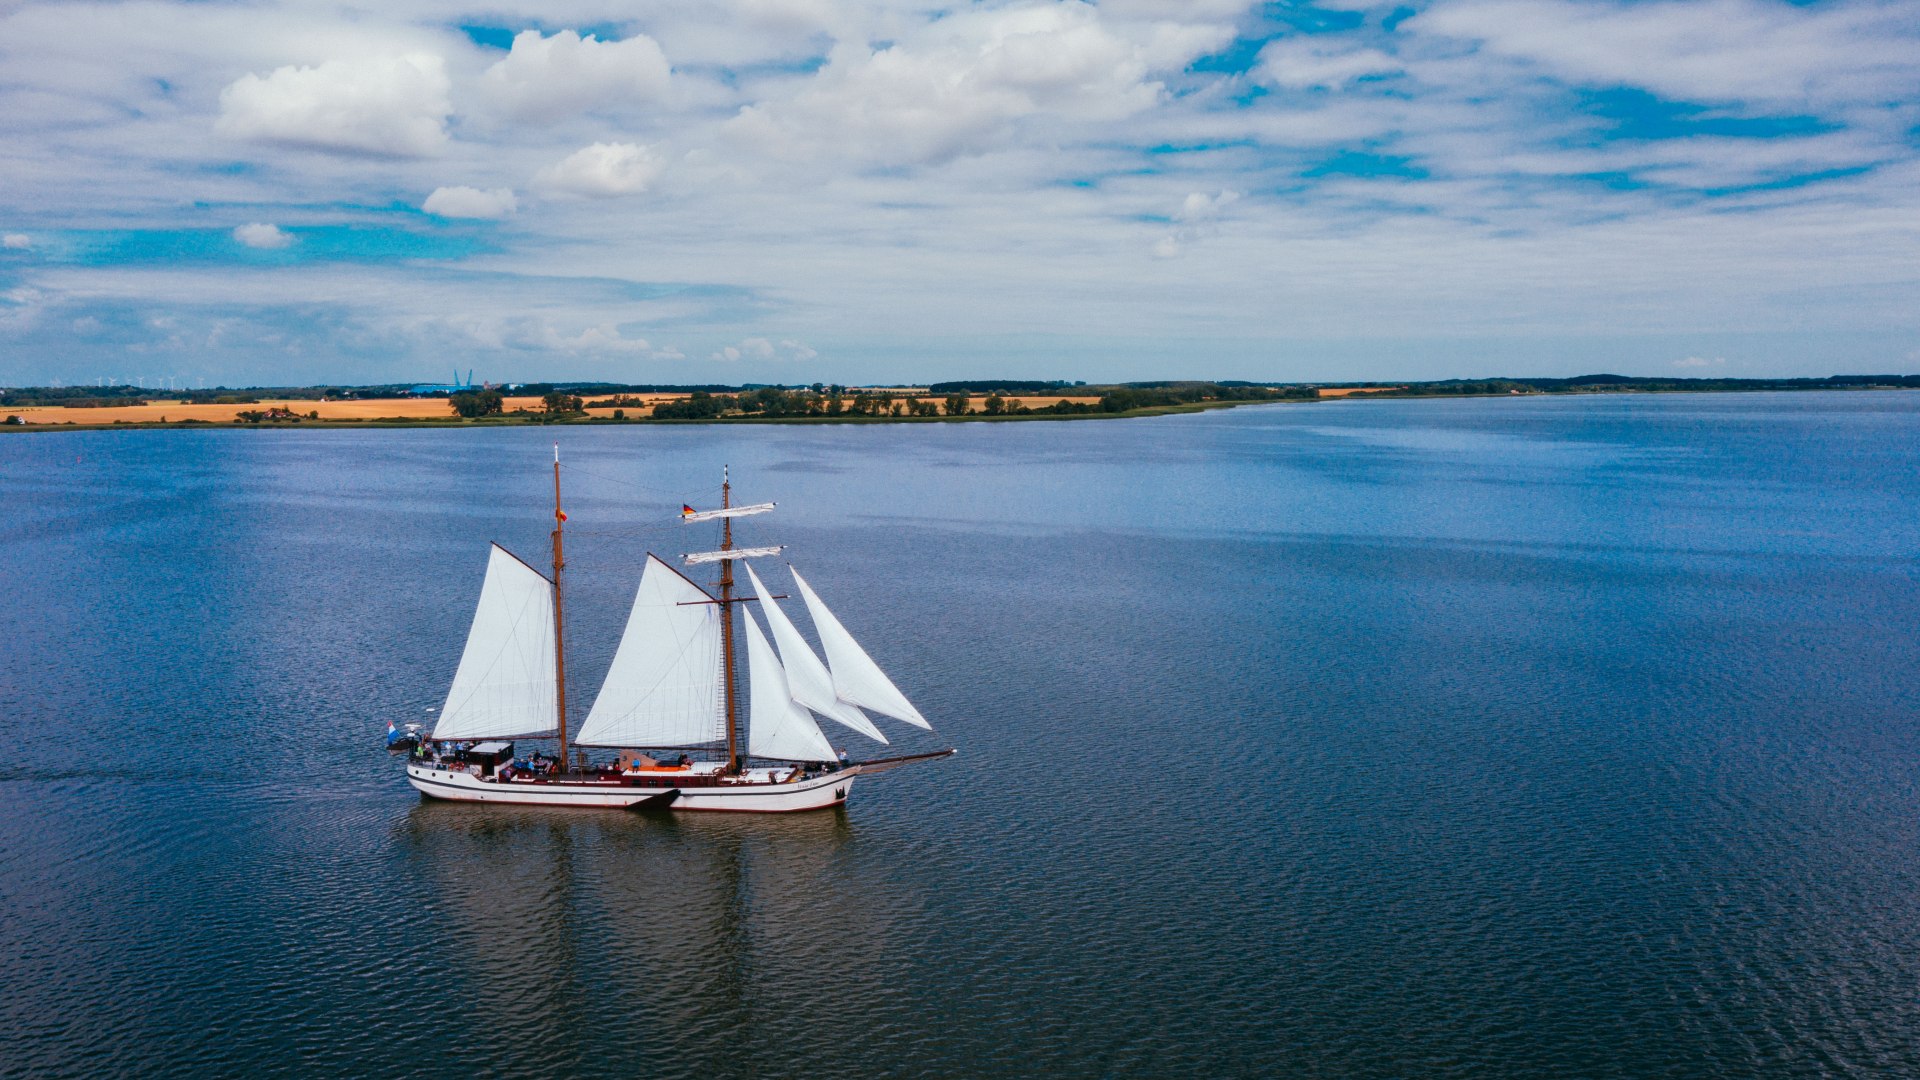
[(807, 677), (505, 686), (663, 688), (857, 680), (778, 727)]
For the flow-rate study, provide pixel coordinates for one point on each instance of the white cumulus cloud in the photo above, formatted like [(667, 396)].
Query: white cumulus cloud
[(390, 105), (956, 87), (1195, 213), (1199, 205), (759, 348), (260, 235), (547, 78), (14, 241), (467, 202), (1700, 362), (602, 170), (602, 338), (540, 334)]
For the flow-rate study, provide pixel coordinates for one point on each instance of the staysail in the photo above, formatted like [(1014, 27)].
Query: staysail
[(777, 725), (857, 680), (663, 688), (505, 686), (807, 677)]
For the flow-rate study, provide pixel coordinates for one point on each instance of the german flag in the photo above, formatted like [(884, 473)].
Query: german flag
[(686, 511)]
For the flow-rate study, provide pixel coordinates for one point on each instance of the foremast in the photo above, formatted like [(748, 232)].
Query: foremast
[(726, 622)]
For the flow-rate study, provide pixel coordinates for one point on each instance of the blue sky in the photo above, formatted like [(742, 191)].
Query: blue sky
[(853, 190)]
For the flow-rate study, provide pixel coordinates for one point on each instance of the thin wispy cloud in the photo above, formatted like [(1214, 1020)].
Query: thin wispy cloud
[(916, 190)]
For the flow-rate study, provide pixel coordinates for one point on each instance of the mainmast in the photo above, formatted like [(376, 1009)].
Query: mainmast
[(559, 623), (726, 621)]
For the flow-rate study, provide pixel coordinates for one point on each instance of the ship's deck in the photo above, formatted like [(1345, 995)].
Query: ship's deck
[(700, 774)]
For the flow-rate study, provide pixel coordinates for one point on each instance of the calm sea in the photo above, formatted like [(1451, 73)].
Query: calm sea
[(1569, 737)]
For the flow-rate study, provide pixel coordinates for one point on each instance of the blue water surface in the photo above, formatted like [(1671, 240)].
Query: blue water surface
[(1534, 737)]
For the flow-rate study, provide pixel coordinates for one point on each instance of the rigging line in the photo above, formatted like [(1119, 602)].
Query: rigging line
[(613, 555), (669, 492), (617, 533)]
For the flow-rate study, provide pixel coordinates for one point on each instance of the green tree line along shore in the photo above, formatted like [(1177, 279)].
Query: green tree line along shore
[(963, 400)]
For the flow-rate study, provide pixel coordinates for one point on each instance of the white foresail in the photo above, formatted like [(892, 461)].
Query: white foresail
[(505, 685), (701, 557), (664, 686), (729, 512), (807, 677), (857, 680), (777, 726)]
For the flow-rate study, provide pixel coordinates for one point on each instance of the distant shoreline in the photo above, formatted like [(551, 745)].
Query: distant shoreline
[(1118, 402), (456, 423)]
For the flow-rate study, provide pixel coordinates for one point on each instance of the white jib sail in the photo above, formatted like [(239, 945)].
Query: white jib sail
[(857, 680), (663, 688), (777, 726), (505, 685), (807, 677)]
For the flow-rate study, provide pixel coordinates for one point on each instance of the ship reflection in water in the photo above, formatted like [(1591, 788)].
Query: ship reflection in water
[(695, 920)]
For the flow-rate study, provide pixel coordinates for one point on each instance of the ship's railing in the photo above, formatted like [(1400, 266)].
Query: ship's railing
[(651, 780)]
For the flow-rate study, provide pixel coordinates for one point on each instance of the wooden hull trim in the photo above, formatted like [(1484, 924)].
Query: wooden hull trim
[(816, 793)]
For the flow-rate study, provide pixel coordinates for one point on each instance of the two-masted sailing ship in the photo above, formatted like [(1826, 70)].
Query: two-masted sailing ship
[(672, 687)]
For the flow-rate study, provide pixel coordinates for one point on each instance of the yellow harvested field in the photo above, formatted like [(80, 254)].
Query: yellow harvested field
[(1031, 401), (406, 408), (632, 410), (1345, 390), (374, 409)]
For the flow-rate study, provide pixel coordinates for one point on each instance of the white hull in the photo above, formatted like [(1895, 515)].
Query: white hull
[(815, 793)]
